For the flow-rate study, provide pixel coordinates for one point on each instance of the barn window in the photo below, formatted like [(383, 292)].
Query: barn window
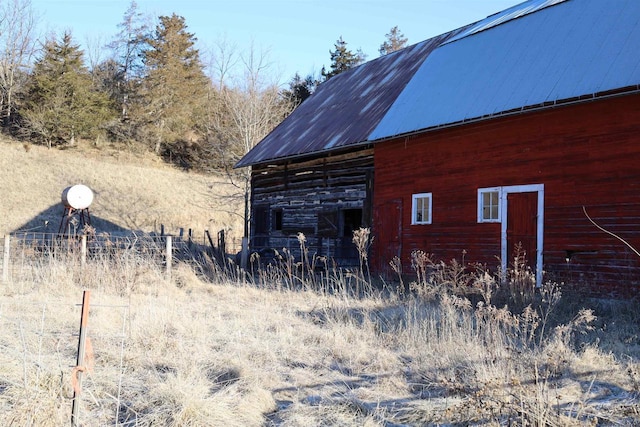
[(421, 208), (276, 220), (261, 219), (489, 204), (351, 221), (328, 224)]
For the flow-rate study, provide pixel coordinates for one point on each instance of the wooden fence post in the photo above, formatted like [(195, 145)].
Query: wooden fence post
[(80, 367), (169, 257), (222, 246), (5, 259), (244, 255)]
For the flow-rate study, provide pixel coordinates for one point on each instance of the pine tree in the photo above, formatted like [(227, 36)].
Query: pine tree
[(127, 47), (175, 87), (342, 59), (299, 89), (61, 102), (395, 41)]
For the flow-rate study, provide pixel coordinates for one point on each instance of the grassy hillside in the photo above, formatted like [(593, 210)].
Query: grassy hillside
[(132, 192)]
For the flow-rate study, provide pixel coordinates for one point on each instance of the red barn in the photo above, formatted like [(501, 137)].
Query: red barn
[(512, 130), (525, 178)]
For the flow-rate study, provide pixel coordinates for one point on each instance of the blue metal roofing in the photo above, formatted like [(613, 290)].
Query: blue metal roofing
[(573, 49), (506, 15), (537, 53)]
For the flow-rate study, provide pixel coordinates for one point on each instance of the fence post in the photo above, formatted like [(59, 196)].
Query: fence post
[(5, 259), (75, 407), (222, 246), (83, 250), (244, 255), (169, 257)]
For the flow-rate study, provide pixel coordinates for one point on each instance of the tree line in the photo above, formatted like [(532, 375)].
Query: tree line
[(153, 92)]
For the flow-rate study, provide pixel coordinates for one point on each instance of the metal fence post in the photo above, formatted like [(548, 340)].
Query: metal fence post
[(75, 407)]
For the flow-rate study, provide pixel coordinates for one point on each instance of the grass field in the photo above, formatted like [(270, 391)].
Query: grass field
[(214, 347), (132, 191)]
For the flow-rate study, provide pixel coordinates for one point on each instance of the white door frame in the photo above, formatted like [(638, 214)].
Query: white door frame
[(504, 191)]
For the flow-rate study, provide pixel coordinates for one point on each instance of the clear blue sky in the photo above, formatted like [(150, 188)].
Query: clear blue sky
[(298, 34)]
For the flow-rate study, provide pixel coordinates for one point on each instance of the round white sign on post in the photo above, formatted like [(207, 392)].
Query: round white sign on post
[(77, 197)]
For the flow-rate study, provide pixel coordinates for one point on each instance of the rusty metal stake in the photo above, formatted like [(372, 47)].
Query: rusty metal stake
[(77, 371)]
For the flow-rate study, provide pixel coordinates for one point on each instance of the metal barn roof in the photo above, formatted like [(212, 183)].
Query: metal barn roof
[(344, 109), (537, 53), (513, 12), (574, 49)]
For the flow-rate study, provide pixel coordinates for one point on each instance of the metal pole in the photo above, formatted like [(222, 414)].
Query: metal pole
[(5, 259), (75, 408)]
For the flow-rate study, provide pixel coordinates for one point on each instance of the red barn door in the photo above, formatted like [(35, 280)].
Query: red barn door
[(522, 218), (522, 227), (389, 233)]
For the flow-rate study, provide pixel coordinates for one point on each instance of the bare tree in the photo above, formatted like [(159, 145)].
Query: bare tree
[(94, 53), (240, 115), (222, 59), (18, 41)]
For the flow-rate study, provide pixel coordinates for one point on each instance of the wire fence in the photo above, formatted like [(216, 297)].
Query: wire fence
[(38, 348), (21, 250), (39, 340)]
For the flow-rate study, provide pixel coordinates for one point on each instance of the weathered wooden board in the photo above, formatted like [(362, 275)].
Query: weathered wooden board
[(313, 196)]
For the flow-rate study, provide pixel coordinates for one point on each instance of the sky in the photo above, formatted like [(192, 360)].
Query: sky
[(296, 36)]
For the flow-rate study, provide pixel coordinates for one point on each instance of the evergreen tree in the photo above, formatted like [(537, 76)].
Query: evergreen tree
[(61, 103), (299, 89), (174, 88), (342, 59), (395, 41), (128, 46)]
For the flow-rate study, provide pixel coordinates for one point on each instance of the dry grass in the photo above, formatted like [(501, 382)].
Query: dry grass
[(204, 351), (132, 191), (300, 342)]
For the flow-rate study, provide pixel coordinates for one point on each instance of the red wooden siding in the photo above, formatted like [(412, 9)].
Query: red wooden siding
[(585, 155)]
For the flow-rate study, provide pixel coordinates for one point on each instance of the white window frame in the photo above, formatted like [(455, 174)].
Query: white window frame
[(414, 207), (481, 192)]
